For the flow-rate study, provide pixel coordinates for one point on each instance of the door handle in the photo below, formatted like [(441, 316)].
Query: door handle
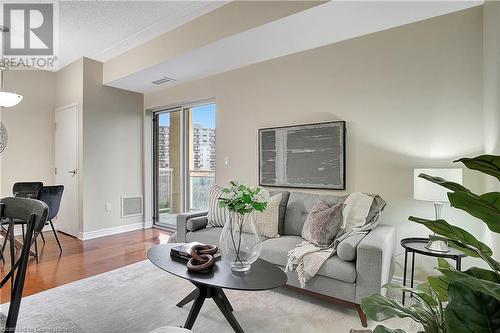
[(72, 172)]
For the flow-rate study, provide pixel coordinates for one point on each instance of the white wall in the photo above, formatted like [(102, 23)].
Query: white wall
[(69, 91), (110, 136), (29, 155), (411, 97), (491, 105), (112, 149)]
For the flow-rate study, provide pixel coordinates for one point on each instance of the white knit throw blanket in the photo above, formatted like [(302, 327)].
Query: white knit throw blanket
[(307, 258)]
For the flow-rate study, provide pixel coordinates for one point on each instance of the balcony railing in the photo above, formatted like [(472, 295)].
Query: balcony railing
[(200, 182), (165, 190)]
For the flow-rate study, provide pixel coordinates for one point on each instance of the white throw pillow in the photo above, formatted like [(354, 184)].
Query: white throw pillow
[(267, 222), (216, 216)]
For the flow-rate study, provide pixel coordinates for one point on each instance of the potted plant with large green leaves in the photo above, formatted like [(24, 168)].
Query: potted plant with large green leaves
[(454, 301)]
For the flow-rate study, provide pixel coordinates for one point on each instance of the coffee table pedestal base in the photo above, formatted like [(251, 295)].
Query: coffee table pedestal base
[(199, 295)]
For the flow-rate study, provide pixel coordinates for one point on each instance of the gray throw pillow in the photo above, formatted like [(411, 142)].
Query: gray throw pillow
[(322, 223)]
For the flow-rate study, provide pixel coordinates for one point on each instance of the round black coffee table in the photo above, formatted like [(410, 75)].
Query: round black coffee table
[(262, 276)]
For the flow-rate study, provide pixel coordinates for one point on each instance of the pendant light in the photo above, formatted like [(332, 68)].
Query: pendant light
[(7, 99), (3, 137)]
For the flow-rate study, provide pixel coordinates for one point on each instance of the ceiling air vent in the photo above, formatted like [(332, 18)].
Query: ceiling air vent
[(163, 80)]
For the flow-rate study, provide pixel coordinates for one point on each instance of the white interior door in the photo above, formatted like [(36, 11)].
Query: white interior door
[(66, 158)]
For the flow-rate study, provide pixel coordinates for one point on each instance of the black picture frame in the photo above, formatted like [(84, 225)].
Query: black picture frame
[(341, 125)]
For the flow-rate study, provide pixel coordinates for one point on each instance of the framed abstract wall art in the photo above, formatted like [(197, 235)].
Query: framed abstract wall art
[(303, 156)]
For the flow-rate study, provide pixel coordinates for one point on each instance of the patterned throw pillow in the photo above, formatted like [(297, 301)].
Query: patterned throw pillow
[(216, 216), (322, 223), (267, 222)]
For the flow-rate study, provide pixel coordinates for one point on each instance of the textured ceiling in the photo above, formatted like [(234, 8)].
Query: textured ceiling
[(103, 29)]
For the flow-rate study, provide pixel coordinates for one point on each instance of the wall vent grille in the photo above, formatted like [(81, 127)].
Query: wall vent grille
[(132, 206)]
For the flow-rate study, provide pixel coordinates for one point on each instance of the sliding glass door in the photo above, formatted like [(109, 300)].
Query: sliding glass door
[(184, 160), (168, 166)]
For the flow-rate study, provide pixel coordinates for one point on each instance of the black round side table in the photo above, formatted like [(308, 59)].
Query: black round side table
[(417, 245)]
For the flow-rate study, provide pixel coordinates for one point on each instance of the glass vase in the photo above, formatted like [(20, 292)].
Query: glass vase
[(240, 242)]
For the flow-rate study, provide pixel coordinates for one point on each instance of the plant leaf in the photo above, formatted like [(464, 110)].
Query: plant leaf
[(423, 290), (470, 311), (444, 183), (440, 285), (485, 207), (379, 308), (483, 286), (483, 274), (442, 263), (453, 233), (383, 329), (488, 164)]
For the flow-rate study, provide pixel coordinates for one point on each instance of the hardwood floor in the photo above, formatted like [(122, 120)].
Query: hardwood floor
[(81, 259)]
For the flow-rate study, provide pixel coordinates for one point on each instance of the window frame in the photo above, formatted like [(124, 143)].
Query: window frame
[(184, 110)]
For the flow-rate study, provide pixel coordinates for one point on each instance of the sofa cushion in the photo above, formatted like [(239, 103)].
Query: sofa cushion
[(298, 207), (275, 250), (216, 215), (205, 235), (284, 201), (346, 250), (338, 269)]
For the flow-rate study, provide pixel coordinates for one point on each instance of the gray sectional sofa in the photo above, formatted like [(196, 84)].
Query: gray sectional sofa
[(363, 263)]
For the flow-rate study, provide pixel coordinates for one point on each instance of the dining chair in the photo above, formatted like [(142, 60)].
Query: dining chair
[(51, 195), (35, 212), (23, 190), (26, 189)]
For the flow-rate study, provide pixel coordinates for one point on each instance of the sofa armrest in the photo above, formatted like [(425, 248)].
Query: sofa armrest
[(375, 261), (182, 224)]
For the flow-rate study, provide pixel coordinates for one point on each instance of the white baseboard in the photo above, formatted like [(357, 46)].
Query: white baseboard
[(399, 280), (18, 231), (113, 231)]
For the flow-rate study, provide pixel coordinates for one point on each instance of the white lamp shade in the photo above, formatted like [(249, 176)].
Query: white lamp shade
[(8, 99), (428, 191)]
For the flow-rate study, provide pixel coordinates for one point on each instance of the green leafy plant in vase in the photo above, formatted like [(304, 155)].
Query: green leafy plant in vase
[(455, 301), (240, 241)]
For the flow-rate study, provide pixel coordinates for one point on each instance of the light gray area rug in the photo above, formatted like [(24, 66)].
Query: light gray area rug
[(141, 297)]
